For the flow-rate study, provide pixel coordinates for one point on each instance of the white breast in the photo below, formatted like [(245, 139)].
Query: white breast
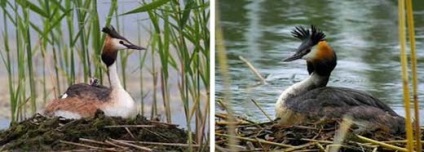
[(122, 105), (295, 90)]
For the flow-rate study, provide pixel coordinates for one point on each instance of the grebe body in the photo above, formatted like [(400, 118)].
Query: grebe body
[(311, 100), (83, 100)]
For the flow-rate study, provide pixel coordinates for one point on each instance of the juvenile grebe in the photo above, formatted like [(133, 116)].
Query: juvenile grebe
[(82, 100), (311, 101)]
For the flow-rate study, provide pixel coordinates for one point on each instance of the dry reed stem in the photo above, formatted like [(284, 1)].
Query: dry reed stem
[(232, 123), (319, 146), (299, 147), (164, 123), (132, 145), (404, 68), (130, 126), (411, 33), (129, 132), (92, 141), (257, 105), (87, 146), (222, 149), (256, 140), (160, 143), (221, 105), (382, 144), (400, 141), (341, 133), (253, 69), (115, 145), (375, 149)]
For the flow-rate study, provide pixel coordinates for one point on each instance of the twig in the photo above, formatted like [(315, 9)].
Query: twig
[(132, 145), (157, 134), (221, 105), (129, 132), (92, 141), (130, 126), (231, 123), (222, 116), (375, 149), (400, 141), (242, 121), (87, 146), (164, 123), (256, 140), (116, 145), (382, 144), (299, 147), (162, 144), (320, 146), (253, 69), (319, 141), (222, 149), (257, 105)]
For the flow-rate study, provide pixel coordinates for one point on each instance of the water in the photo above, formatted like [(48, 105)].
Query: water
[(4, 123), (363, 34)]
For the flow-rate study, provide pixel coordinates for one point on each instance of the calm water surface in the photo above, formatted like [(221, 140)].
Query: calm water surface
[(363, 34)]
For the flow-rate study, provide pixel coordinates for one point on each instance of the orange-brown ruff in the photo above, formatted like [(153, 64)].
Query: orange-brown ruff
[(83, 100), (311, 100)]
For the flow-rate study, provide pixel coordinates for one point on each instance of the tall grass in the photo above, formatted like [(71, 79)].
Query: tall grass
[(67, 45)]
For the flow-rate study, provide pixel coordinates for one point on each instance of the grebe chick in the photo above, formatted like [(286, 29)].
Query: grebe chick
[(311, 100), (82, 100)]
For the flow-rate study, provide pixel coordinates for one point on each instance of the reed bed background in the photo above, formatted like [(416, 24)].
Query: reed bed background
[(47, 45)]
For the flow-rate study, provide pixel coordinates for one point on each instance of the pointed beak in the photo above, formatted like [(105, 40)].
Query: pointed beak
[(135, 47), (301, 51)]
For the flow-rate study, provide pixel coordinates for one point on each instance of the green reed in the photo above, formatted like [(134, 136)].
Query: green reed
[(69, 40), (183, 27)]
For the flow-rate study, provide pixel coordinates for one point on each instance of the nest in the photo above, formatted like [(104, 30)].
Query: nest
[(325, 136), (101, 133)]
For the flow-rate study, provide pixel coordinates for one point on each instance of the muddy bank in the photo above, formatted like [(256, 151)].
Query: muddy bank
[(39, 133)]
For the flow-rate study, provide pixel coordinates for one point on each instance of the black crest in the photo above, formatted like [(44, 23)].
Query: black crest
[(313, 34), (112, 32)]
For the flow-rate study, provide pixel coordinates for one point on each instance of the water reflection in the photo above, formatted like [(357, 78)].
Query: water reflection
[(363, 34)]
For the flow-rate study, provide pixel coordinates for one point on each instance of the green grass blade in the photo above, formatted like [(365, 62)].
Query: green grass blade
[(32, 7), (147, 7)]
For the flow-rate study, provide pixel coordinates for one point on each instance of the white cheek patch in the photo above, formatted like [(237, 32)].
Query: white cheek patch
[(312, 54), (64, 96), (118, 45)]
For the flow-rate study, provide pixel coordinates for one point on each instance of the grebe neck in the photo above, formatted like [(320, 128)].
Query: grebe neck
[(114, 81), (312, 82)]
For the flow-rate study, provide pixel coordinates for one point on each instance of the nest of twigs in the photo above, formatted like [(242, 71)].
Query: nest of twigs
[(251, 136), (101, 133)]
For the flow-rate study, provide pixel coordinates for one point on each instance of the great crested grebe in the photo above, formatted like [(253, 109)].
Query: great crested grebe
[(312, 101), (83, 100)]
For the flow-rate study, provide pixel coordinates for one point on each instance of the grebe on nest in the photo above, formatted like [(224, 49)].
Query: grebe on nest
[(83, 100), (312, 101)]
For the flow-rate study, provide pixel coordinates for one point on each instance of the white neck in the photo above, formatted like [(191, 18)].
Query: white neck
[(114, 81), (122, 104), (312, 82)]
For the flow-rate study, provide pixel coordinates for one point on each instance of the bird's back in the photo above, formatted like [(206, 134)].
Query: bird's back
[(79, 100), (343, 99), (88, 92)]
